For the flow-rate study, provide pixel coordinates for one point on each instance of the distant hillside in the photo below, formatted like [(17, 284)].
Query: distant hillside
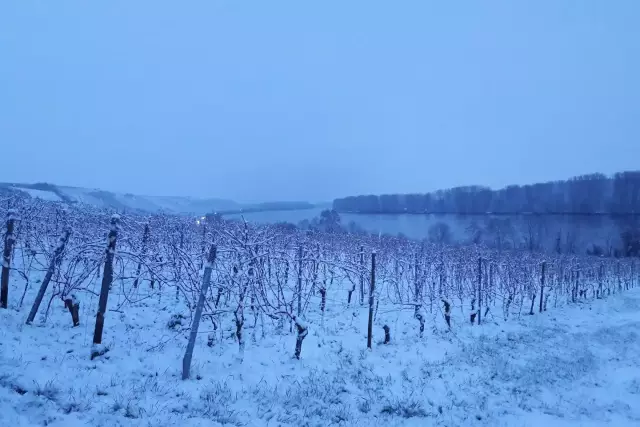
[(119, 201), (150, 204)]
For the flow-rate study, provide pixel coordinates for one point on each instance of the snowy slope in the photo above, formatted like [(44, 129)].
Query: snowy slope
[(119, 201), (83, 196), (577, 365), (176, 205), (39, 194)]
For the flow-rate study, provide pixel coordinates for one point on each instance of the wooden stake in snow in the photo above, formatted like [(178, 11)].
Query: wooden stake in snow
[(204, 240), (371, 291), (299, 289), (55, 260), (479, 291), (361, 275), (143, 253), (179, 276), (188, 355), (107, 278), (9, 240), (542, 274), (416, 285)]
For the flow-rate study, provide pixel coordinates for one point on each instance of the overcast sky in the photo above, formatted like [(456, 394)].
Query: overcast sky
[(280, 100)]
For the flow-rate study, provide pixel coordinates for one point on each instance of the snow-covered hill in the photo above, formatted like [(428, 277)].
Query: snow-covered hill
[(119, 201)]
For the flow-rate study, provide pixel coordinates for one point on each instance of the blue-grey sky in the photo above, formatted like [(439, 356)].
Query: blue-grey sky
[(275, 100)]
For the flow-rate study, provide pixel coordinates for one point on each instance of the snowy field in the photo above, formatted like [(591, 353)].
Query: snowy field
[(576, 365), (573, 361)]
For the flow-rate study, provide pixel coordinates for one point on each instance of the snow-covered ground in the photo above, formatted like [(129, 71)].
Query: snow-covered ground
[(576, 365)]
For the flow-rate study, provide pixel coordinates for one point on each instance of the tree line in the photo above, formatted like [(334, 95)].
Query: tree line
[(589, 194)]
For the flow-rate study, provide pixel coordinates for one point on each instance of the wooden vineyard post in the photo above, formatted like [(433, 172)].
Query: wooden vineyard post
[(479, 290), (9, 240), (107, 278), (299, 289), (55, 260), (206, 280), (361, 275), (145, 239), (542, 274), (371, 292)]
